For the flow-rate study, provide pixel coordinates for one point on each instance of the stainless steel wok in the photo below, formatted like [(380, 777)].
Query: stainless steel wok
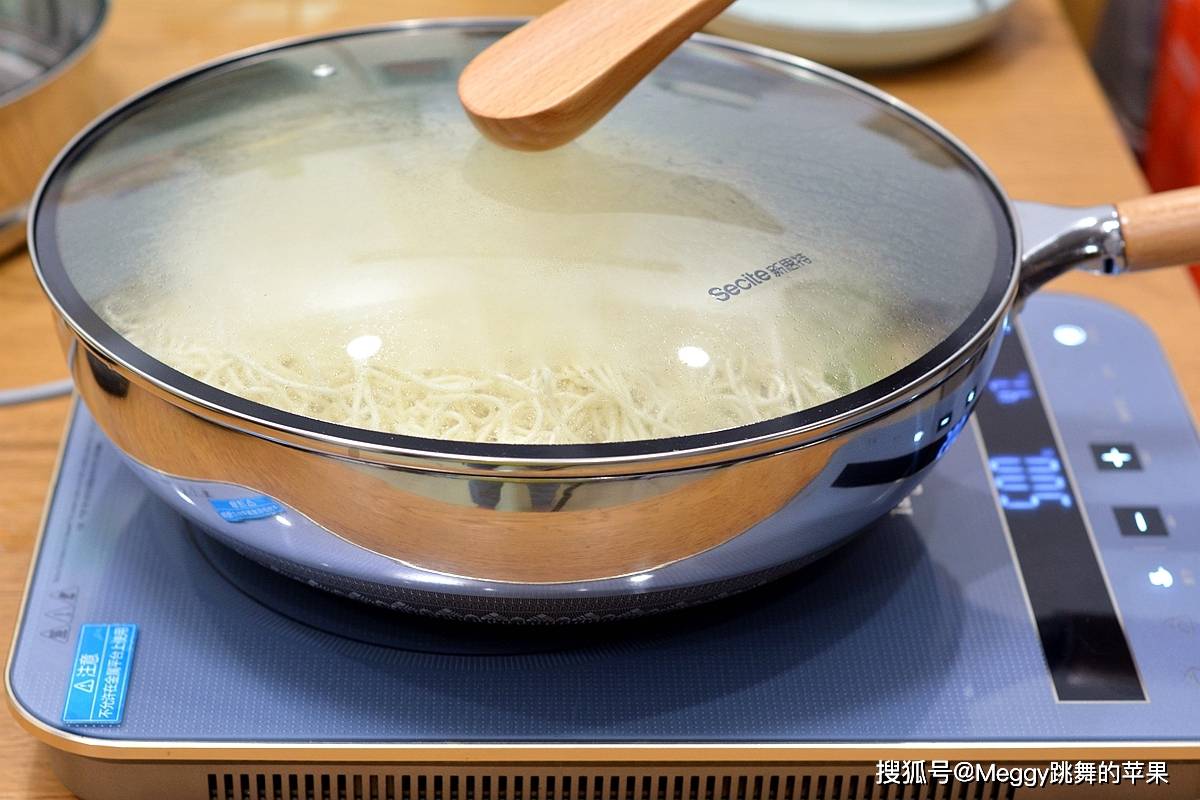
[(769, 193)]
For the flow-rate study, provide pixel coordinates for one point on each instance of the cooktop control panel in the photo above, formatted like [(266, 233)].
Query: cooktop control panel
[(1124, 443)]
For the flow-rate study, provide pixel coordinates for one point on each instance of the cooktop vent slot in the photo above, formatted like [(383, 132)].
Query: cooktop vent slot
[(566, 784)]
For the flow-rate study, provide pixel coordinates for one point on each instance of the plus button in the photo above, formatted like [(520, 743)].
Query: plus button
[(1117, 456)]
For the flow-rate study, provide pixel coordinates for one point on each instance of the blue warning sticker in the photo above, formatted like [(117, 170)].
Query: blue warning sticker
[(240, 509), (100, 677)]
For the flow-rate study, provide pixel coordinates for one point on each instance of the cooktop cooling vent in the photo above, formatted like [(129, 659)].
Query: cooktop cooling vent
[(563, 785)]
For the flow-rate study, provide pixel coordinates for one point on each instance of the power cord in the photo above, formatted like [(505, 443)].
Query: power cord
[(32, 394)]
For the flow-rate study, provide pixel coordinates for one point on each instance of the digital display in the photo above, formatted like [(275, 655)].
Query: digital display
[(1010, 391), (1025, 482), (1085, 647)]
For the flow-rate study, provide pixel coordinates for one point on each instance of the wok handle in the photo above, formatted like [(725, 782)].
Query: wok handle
[(1161, 230)]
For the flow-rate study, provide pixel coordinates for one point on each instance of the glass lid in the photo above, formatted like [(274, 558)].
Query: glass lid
[(318, 230)]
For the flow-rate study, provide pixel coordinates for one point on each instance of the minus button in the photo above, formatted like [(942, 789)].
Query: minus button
[(1140, 521)]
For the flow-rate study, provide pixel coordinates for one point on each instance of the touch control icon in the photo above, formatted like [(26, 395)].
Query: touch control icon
[(1162, 577), (1140, 521), (1118, 457)]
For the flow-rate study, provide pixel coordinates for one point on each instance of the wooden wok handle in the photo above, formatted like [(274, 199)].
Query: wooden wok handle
[(1161, 230), (549, 81)]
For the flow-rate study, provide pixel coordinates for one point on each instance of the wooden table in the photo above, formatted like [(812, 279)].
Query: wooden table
[(1026, 103)]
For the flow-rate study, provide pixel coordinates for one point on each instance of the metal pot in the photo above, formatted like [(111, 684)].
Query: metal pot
[(47, 93), (557, 532)]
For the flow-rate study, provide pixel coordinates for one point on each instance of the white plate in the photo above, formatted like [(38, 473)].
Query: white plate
[(863, 33)]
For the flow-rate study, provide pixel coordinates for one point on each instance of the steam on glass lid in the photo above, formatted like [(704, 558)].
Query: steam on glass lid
[(320, 229)]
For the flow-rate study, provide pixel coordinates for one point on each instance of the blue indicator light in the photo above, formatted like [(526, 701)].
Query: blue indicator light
[(918, 436), (1009, 391), (943, 422), (1025, 482), (971, 397), (951, 435)]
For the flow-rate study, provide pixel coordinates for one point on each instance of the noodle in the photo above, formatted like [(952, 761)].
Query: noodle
[(524, 404)]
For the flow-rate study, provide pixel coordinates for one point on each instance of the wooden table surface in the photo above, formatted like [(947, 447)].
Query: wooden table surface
[(1026, 103)]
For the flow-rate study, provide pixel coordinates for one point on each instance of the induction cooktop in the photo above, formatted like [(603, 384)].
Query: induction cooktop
[(1035, 600)]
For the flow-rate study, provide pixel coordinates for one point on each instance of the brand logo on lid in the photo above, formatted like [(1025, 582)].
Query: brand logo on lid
[(749, 280)]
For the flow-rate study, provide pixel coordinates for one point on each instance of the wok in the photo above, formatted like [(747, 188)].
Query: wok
[(885, 216)]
